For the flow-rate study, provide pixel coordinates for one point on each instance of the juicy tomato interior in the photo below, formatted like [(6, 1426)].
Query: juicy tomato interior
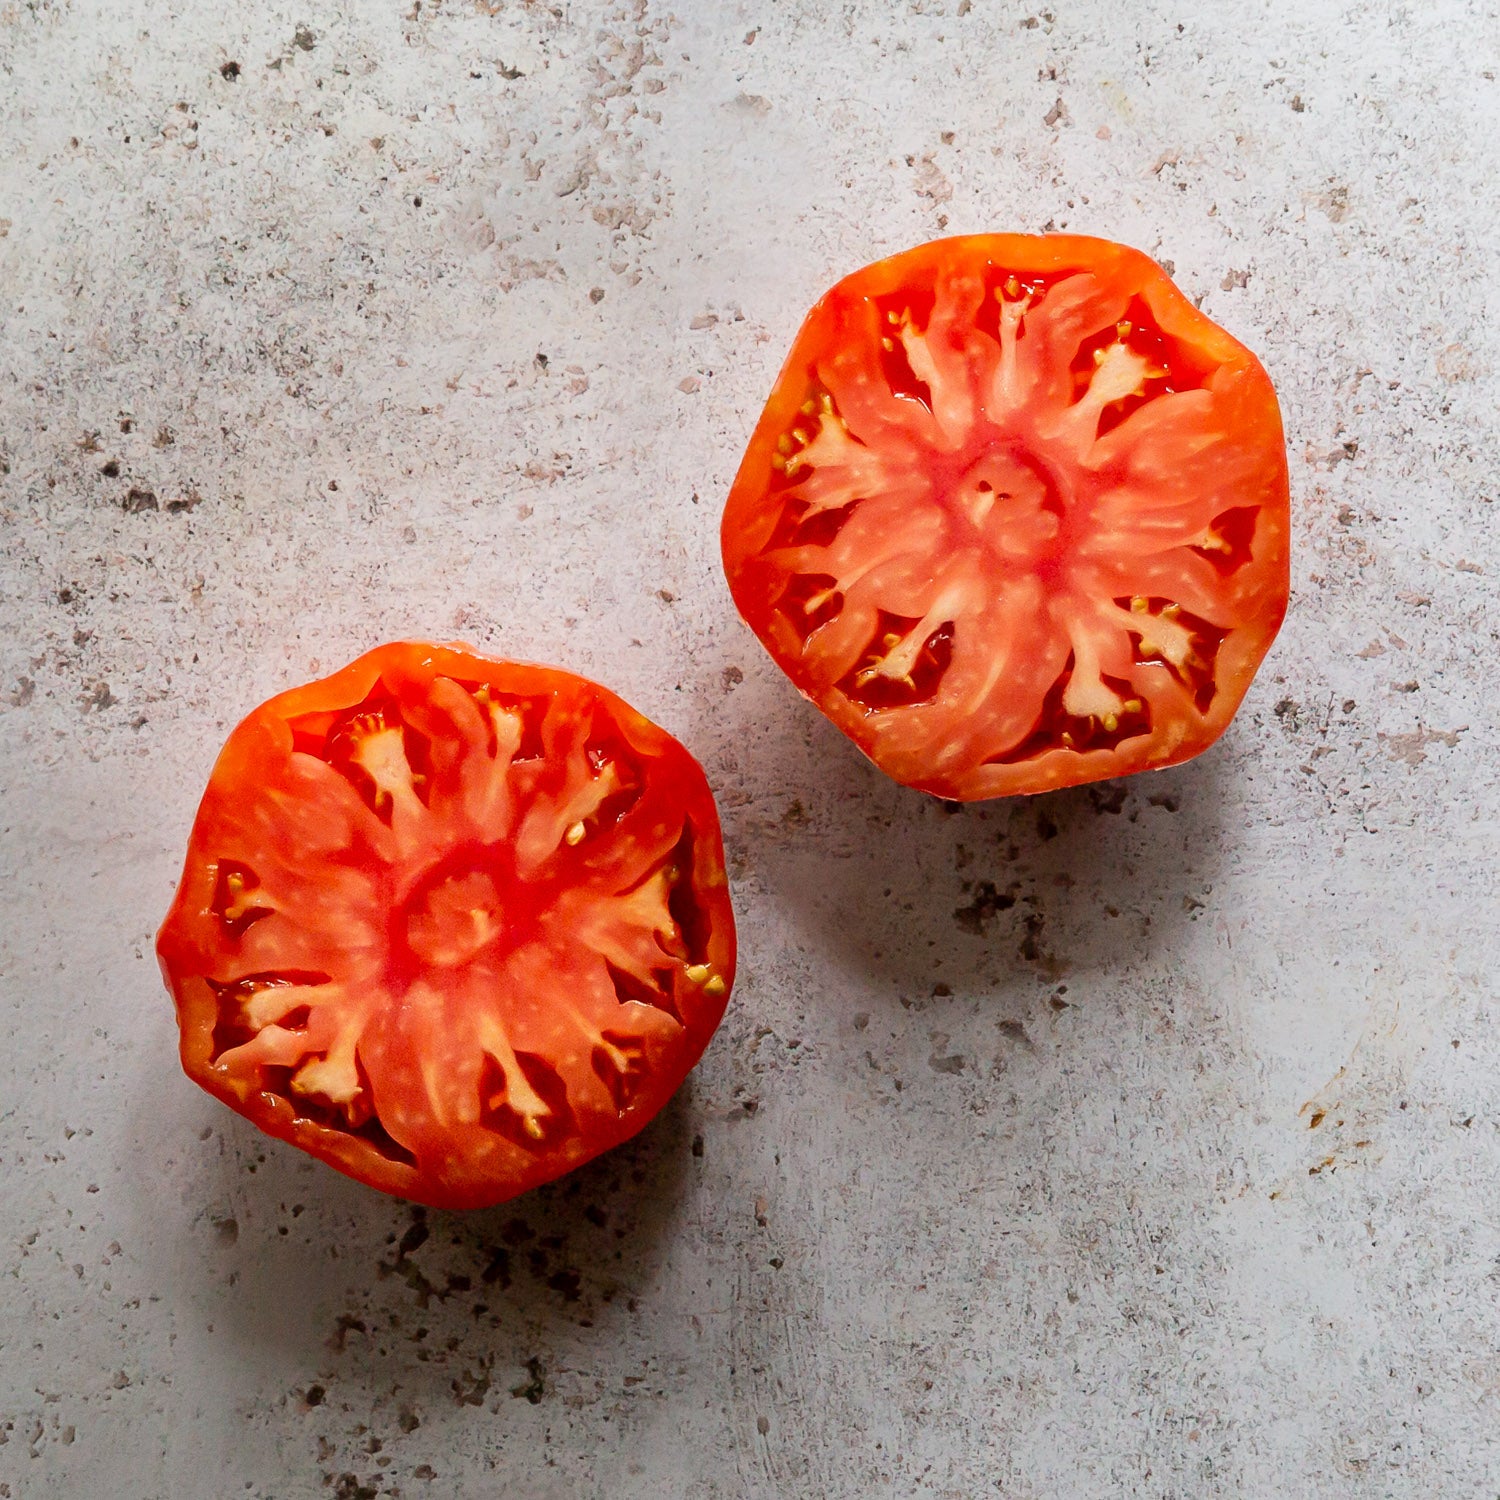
[(1015, 516), (453, 925)]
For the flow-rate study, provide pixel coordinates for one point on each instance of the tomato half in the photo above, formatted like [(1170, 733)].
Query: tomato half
[(453, 925), (1015, 516)]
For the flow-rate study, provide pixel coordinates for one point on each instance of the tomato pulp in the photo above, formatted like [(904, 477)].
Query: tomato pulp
[(1015, 516), (454, 925)]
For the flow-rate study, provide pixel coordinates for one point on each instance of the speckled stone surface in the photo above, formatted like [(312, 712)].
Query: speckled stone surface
[(1141, 1140)]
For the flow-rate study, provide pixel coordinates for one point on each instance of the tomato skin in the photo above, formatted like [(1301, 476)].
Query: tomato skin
[(498, 893), (851, 523)]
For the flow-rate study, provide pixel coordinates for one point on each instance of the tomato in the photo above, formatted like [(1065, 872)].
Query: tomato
[(453, 925), (1015, 516)]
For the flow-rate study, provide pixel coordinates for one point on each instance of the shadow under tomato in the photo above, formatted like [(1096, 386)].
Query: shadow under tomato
[(926, 898), (334, 1285)]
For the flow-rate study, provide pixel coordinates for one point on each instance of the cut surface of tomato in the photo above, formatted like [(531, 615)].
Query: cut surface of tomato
[(454, 925), (1015, 516)]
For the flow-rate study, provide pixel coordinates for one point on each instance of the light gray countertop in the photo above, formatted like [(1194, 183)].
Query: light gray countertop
[(330, 324)]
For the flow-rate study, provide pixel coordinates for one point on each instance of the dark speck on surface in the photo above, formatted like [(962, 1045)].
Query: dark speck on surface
[(1107, 796), (566, 1283), (498, 1269), (987, 903), (470, 1388), (1015, 1032), (517, 1232), (534, 1387), (344, 1325)]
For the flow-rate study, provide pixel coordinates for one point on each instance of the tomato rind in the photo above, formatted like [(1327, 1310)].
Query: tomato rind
[(263, 789)]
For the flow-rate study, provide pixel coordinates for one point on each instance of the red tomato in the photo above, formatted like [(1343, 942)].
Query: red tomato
[(453, 925), (1015, 516)]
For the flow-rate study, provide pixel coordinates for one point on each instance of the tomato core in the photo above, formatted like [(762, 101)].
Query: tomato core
[(455, 917)]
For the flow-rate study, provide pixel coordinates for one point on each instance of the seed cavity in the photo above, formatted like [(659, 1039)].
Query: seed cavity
[(619, 1062), (1183, 645), (1228, 543), (527, 1103), (900, 666), (631, 990), (1057, 729)]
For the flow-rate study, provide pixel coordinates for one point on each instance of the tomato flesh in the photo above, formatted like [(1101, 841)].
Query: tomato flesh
[(451, 924), (1015, 516)]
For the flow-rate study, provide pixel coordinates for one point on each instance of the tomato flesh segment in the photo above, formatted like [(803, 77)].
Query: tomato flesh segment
[(978, 456), (456, 937)]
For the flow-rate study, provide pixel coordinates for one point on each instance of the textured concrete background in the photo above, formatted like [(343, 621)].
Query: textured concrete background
[(1174, 1175)]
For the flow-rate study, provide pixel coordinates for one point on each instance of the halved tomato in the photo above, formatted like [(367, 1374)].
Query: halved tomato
[(1015, 516), (453, 925)]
